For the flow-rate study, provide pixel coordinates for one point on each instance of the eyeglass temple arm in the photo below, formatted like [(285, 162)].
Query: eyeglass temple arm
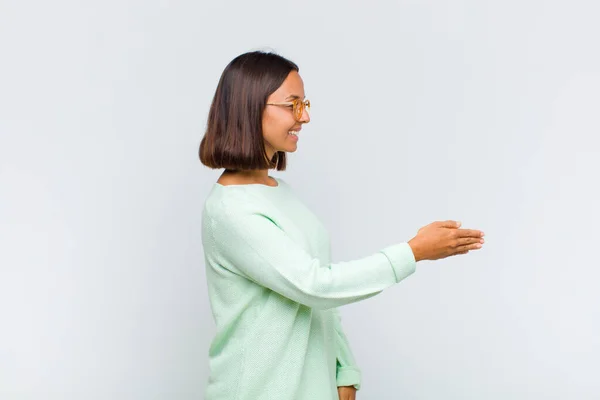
[(287, 103)]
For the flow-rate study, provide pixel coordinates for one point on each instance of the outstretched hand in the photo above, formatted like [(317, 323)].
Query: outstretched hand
[(442, 239)]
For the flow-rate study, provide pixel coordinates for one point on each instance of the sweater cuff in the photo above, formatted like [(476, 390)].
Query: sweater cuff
[(348, 376), (402, 259)]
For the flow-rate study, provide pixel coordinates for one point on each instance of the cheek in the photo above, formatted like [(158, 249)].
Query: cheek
[(276, 125)]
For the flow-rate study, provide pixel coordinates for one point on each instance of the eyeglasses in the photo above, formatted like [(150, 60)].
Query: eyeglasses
[(297, 105)]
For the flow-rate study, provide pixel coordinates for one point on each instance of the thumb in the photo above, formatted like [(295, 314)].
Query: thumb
[(451, 224)]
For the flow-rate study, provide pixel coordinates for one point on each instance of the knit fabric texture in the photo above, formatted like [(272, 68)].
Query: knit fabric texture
[(274, 295)]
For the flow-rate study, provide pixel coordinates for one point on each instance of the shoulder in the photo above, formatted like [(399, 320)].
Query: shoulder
[(239, 200), (232, 203)]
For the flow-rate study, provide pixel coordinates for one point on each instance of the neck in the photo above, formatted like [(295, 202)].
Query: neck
[(256, 176)]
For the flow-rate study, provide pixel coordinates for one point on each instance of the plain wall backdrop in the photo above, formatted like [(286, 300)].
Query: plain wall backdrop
[(476, 110)]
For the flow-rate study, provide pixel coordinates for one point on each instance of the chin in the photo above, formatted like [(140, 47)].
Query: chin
[(288, 147)]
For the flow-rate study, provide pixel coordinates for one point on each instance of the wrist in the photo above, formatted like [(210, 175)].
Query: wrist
[(416, 249)]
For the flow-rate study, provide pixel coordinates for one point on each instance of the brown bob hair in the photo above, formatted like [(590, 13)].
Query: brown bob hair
[(234, 137)]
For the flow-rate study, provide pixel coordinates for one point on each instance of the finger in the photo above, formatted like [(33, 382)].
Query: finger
[(460, 252), (469, 233), (469, 247), (463, 241)]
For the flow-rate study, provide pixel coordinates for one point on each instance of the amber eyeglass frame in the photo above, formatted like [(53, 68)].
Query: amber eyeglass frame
[(297, 105)]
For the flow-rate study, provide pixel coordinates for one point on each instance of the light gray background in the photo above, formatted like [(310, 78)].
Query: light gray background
[(481, 111)]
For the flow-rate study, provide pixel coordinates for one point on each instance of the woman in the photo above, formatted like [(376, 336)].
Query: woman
[(273, 290)]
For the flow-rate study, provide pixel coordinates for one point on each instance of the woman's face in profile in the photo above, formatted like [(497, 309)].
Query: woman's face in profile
[(279, 121)]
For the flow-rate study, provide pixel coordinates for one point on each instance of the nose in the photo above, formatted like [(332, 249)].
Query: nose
[(305, 119)]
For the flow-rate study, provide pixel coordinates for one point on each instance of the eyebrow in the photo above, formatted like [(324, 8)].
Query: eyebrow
[(293, 96)]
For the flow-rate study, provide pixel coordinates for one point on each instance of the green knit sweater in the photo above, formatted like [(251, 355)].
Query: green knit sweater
[(274, 294)]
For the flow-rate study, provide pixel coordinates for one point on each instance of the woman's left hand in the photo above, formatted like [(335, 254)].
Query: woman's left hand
[(347, 392)]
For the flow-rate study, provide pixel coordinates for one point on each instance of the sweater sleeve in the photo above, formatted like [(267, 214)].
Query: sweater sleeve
[(347, 371), (252, 245)]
